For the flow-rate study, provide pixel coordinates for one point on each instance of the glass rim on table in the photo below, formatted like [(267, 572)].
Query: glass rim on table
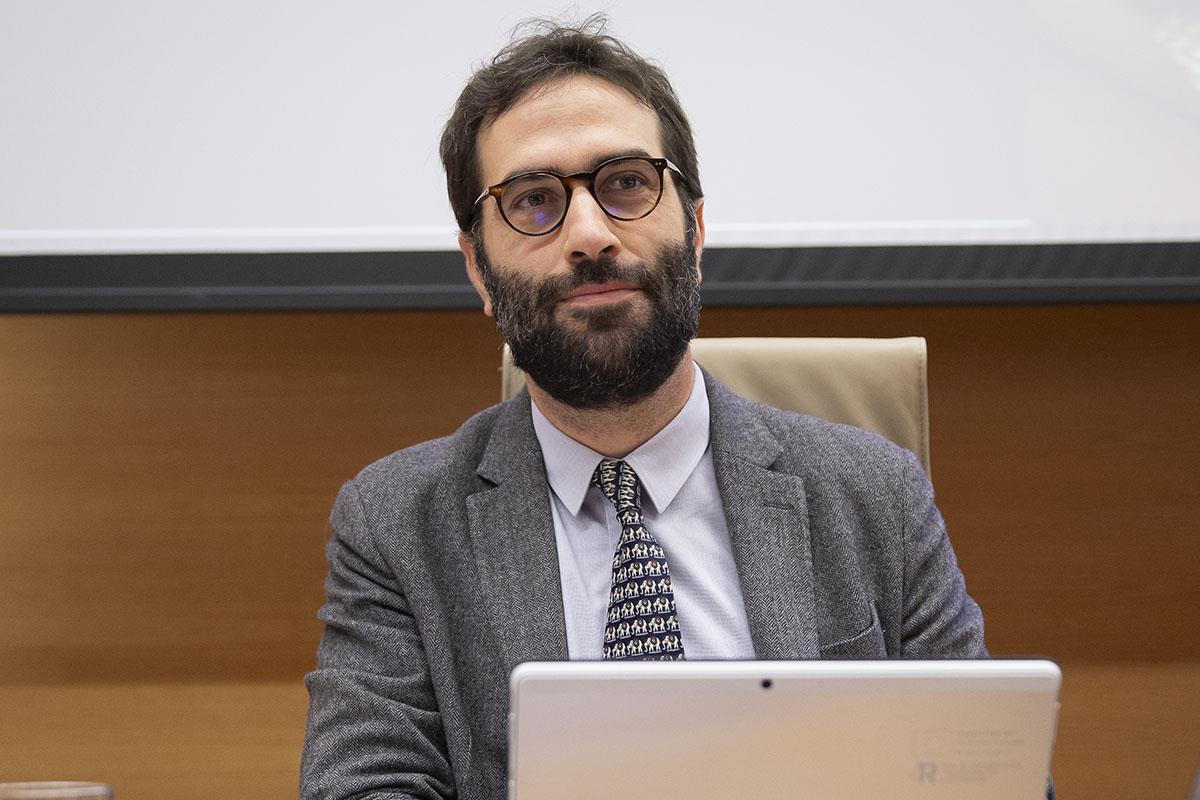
[(54, 790)]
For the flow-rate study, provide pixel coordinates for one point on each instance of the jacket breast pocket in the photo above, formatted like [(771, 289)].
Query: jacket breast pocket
[(867, 644)]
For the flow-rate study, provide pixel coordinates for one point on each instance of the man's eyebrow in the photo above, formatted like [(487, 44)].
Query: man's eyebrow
[(558, 170)]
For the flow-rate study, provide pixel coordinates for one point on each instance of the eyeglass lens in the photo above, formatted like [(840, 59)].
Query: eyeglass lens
[(626, 189)]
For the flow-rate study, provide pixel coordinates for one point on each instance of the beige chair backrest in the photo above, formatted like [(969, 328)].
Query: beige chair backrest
[(877, 384)]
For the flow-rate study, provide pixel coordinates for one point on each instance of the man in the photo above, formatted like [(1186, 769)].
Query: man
[(627, 505)]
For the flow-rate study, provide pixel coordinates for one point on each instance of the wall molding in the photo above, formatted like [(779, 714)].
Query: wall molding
[(744, 276)]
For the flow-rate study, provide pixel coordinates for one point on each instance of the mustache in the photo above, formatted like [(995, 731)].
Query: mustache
[(599, 270)]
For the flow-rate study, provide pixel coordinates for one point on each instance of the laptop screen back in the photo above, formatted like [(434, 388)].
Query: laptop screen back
[(968, 730)]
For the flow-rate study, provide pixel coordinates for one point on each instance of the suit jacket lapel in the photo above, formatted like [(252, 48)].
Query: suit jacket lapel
[(512, 535), (768, 524)]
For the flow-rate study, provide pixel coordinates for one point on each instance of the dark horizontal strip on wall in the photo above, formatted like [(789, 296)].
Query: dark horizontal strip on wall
[(793, 276)]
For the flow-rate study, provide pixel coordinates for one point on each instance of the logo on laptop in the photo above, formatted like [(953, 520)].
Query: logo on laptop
[(926, 772)]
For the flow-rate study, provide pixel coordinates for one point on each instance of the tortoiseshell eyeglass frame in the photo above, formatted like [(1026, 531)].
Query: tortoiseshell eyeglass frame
[(588, 179)]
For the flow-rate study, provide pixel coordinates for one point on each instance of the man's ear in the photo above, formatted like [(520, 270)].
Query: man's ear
[(698, 236), (466, 243)]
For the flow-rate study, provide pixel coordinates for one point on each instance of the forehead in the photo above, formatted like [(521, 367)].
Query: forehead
[(567, 126)]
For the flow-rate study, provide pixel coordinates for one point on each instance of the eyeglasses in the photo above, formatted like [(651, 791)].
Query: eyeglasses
[(626, 188)]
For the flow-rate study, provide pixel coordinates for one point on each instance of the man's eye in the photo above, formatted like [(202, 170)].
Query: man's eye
[(530, 200), (627, 182)]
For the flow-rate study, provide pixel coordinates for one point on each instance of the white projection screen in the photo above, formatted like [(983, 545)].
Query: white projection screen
[(152, 126)]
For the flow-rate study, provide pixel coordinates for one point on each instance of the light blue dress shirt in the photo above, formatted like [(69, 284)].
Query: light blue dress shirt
[(682, 510)]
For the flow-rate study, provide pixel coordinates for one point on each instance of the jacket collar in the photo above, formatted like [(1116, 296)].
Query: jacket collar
[(512, 536), (767, 515)]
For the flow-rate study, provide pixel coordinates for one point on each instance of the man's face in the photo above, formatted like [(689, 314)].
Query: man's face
[(600, 311)]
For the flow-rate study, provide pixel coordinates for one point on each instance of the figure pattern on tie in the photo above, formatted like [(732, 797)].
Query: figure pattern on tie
[(642, 623)]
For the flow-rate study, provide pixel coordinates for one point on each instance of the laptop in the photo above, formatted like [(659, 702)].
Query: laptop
[(822, 730)]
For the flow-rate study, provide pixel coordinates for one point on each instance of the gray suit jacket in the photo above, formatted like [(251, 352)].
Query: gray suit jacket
[(443, 576)]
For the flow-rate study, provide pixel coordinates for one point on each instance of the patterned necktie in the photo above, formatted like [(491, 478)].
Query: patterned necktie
[(642, 625)]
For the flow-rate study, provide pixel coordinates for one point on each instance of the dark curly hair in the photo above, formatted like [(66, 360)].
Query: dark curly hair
[(552, 51)]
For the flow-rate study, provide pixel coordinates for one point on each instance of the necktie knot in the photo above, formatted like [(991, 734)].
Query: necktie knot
[(619, 483)]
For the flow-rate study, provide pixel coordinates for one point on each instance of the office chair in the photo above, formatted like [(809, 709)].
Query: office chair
[(877, 384)]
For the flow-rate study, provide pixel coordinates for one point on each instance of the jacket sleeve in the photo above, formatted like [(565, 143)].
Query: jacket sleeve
[(940, 618), (374, 729)]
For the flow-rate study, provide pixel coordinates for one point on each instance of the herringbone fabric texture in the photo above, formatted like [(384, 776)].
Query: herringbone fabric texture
[(642, 624)]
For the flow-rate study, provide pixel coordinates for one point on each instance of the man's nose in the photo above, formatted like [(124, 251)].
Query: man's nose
[(588, 231)]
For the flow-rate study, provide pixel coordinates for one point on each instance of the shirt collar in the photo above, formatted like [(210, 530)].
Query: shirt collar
[(663, 464)]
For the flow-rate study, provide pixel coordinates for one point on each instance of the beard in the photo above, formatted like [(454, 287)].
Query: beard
[(604, 356)]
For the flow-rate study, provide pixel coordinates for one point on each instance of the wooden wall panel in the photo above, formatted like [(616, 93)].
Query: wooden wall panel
[(1128, 731), (165, 480), (158, 741)]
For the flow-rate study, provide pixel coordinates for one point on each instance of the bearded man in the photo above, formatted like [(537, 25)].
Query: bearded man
[(626, 486)]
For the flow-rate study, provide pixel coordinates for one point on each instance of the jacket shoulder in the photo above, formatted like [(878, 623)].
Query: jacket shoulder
[(813, 447), (445, 464), (834, 444)]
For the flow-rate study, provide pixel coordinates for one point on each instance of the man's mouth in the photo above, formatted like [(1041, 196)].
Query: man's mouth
[(601, 293)]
